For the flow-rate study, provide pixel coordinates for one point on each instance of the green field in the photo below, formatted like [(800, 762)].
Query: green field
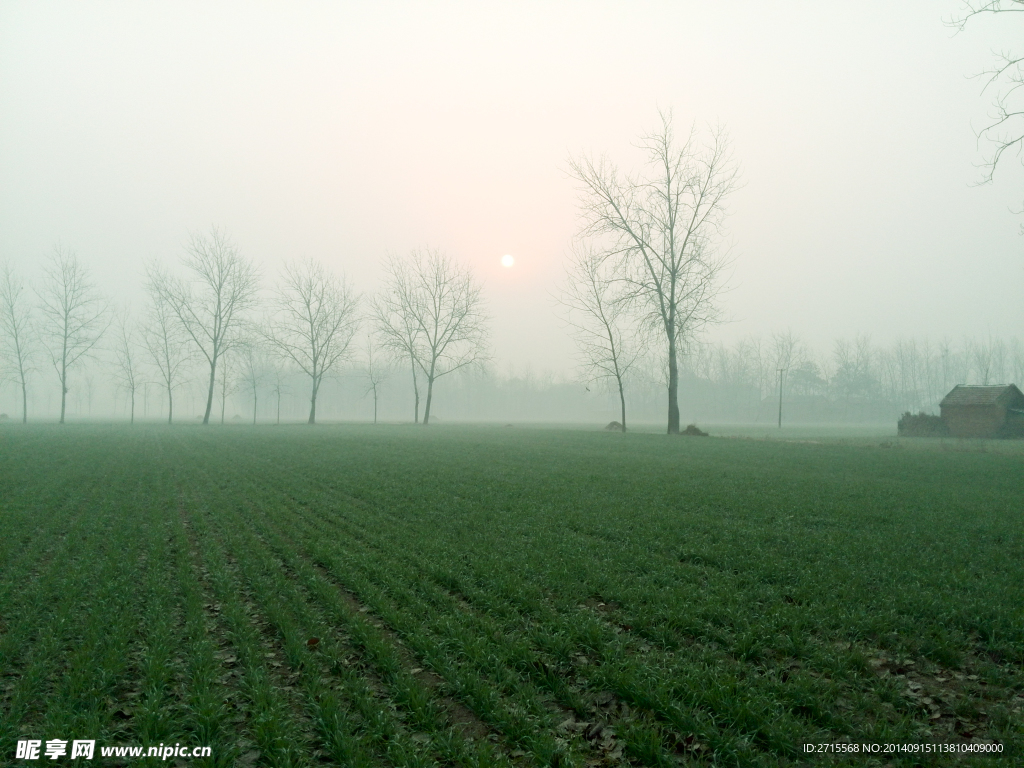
[(400, 596)]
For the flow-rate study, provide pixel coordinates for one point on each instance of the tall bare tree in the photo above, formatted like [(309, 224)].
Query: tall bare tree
[(314, 322), (127, 368), (17, 332), (74, 315), (597, 303), (432, 309), (212, 302), (168, 346), (664, 227)]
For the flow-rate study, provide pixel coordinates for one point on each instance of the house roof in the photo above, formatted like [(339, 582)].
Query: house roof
[(1006, 395)]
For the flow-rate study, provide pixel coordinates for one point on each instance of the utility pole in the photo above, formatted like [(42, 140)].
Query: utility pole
[(781, 372)]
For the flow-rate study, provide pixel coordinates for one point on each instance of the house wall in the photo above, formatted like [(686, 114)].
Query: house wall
[(974, 420)]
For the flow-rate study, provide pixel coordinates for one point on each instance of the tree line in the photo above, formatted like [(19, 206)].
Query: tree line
[(209, 312), (643, 274), (852, 376), (642, 284)]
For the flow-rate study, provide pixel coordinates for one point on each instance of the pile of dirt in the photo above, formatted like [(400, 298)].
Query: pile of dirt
[(921, 425), (613, 426), (1012, 429), (694, 431)]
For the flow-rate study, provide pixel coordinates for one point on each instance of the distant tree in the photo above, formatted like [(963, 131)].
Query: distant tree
[(786, 350), (931, 372), (664, 228), (211, 304), (755, 361), (805, 378), (906, 374), (90, 390), (278, 386), (854, 375), (127, 365), (983, 359), (74, 315), (375, 370), (167, 343), (314, 322), (432, 309), (17, 332), (1017, 361), (597, 307), (228, 380), (255, 370)]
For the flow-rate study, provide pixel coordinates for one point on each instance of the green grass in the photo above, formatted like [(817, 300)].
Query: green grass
[(472, 596)]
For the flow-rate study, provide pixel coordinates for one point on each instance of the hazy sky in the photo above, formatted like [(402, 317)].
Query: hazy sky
[(346, 131)]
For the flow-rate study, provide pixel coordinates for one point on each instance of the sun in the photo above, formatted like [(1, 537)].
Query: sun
[(507, 260)]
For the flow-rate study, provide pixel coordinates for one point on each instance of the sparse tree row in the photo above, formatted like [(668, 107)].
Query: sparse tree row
[(642, 285), (208, 312), (427, 326)]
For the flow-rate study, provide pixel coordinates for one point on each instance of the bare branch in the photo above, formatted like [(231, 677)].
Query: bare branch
[(1005, 129)]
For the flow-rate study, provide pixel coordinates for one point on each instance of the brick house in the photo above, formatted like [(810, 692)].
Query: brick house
[(977, 411)]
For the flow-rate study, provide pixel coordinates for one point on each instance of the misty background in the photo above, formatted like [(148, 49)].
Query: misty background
[(860, 238)]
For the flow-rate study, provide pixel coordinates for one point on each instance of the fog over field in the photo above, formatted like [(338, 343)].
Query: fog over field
[(461, 280), (350, 133)]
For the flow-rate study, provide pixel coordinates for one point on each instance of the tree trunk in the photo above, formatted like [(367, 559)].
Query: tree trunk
[(375, 405), (254, 406), (63, 398), (312, 403), (279, 407), (673, 388), (415, 389), (24, 401), (132, 419), (622, 401), (209, 397), (170, 406), (430, 395), (780, 399)]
